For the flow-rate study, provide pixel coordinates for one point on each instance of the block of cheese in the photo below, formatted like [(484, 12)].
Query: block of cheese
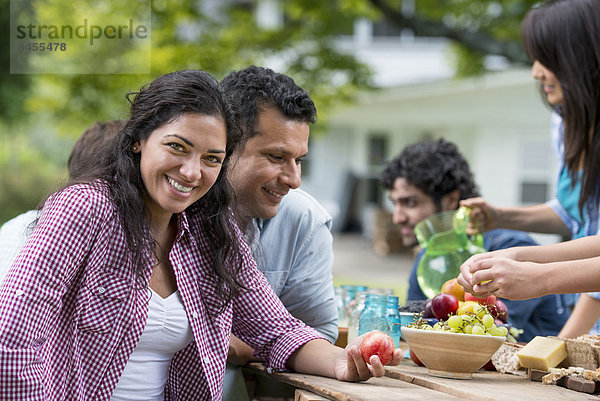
[(542, 353)]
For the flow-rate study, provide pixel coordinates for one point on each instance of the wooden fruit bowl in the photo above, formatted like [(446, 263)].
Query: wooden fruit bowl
[(451, 355)]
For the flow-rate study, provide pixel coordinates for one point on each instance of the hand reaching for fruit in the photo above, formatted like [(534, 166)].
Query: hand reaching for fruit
[(493, 273)]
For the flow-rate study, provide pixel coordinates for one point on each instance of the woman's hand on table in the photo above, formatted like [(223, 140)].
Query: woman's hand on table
[(350, 365)]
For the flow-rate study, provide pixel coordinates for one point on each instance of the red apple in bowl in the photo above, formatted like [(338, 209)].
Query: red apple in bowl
[(499, 311), (427, 308), (377, 343), (443, 305)]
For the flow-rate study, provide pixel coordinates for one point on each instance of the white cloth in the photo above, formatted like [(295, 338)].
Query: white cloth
[(167, 331), (13, 235)]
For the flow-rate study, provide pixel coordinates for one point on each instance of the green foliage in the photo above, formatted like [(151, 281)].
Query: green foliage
[(499, 18), (13, 88), (29, 176), (468, 63), (492, 20), (183, 36), (196, 34)]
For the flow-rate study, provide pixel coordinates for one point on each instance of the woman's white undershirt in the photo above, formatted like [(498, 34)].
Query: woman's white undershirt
[(167, 331)]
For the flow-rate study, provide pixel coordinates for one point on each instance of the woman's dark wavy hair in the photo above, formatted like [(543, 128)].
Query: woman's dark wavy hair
[(163, 101), (435, 167), (563, 35)]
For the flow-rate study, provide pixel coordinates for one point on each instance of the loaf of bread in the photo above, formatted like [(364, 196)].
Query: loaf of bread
[(583, 351), (505, 360), (581, 354)]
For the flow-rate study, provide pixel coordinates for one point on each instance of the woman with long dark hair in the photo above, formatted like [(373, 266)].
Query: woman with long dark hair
[(561, 38), (136, 274)]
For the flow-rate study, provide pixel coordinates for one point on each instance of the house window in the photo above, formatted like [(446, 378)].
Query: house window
[(534, 192), (378, 149)]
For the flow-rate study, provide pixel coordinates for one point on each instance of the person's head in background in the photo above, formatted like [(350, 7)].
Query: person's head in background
[(561, 39), (90, 144), (424, 179), (274, 116)]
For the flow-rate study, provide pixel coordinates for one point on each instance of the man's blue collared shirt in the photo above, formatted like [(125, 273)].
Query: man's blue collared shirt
[(294, 250)]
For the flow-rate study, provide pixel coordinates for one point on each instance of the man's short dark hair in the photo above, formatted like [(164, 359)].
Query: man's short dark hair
[(435, 167), (254, 88)]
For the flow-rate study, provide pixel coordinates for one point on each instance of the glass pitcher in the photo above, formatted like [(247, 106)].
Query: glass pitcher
[(447, 246)]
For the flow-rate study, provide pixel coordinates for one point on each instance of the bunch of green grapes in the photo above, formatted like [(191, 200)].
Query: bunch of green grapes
[(480, 323), (472, 324)]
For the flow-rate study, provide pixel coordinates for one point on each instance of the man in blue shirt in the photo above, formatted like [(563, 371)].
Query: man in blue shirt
[(431, 177), (288, 230)]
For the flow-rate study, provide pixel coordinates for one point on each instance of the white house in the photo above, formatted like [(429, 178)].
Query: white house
[(498, 121)]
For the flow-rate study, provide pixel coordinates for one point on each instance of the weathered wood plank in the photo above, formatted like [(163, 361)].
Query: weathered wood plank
[(486, 386), (380, 389), (303, 395)]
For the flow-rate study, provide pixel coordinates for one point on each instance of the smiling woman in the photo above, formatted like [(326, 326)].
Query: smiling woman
[(109, 241), (180, 162)]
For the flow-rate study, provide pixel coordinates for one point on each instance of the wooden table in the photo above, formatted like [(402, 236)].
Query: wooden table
[(410, 382)]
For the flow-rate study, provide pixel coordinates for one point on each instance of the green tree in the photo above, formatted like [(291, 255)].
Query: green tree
[(187, 34), (476, 27), (37, 111)]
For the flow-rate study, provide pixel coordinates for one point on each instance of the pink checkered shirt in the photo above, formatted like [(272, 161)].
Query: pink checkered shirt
[(71, 313)]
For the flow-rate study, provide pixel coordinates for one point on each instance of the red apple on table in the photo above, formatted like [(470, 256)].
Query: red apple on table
[(377, 343), (443, 305), (414, 357), (489, 366)]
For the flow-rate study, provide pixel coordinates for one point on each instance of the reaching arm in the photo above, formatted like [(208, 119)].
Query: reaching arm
[(580, 248), (539, 218), (307, 293), (487, 274), (261, 320), (583, 317)]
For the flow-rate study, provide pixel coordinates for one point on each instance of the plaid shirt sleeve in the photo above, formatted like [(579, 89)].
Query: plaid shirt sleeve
[(31, 295), (261, 320)]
